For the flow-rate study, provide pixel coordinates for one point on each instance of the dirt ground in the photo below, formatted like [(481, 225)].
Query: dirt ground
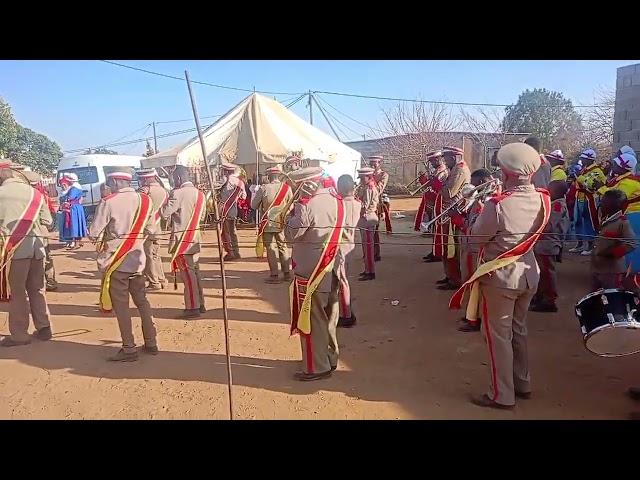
[(400, 362)]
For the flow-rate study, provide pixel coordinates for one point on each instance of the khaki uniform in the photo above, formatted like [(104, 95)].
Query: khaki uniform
[(608, 266), (26, 274), (307, 229), (459, 176), (542, 177), (273, 237), (229, 231), (114, 219), (547, 249), (382, 178), (180, 207), (369, 197), (345, 260), (507, 292), (153, 270)]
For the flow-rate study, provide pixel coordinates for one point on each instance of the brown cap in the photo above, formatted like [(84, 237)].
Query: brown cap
[(365, 171), (375, 159), (434, 155), (146, 173), (119, 173), (273, 170), (452, 151), (519, 159)]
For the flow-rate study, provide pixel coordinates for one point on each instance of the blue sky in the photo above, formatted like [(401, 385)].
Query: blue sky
[(89, 103)]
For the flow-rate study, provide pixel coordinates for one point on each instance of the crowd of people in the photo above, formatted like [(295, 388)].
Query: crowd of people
[(501, 247), (498, 235)]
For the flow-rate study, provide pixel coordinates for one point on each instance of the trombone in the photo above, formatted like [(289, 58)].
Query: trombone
[(422, 185), (470, 195)]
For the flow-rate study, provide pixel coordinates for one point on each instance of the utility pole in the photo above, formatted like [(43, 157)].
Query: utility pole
[(155, 139), (310, 109)]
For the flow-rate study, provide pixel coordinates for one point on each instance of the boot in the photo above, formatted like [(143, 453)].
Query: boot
[(123, 356), (347, 322)]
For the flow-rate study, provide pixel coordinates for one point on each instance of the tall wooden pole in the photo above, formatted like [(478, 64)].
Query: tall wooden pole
[(220, 252)]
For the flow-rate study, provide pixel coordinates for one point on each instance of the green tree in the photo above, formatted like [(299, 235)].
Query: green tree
[(546, 114), (8, 129), (100, 150), (35, 150)]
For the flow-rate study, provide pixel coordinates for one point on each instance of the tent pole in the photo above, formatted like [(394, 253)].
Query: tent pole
[(218, 234), (310, 109)]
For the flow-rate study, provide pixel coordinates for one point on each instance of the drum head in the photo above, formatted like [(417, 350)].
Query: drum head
[(618, 341)]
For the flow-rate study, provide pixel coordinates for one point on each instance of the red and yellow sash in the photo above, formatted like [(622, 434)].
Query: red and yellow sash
[(190, 235), (502, 260), (301, 290), (230, 201), (10, 242), (264, 221), (134, 237)]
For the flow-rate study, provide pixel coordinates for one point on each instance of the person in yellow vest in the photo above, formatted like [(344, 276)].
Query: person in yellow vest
[(23, 214), (507, 275), (149, 185), (556, 160), (586, 208), (120, 225), (314, 230), (272, 198), (622, 178)]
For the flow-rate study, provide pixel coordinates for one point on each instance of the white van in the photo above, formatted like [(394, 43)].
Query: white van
[(90, 172)]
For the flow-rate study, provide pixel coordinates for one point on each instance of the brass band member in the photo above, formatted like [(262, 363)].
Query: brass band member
[(153, 270), (23, 214), (232, 190), (314, 229), (121, 224), (273, 198), (506, 279), (369, 197), (459, 176), (381, 178)]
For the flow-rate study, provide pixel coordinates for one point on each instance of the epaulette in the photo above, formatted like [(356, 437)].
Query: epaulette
[(110, 196), (498, 198)]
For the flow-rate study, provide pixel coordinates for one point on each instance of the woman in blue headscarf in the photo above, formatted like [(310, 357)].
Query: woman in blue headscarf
[(73, 223)]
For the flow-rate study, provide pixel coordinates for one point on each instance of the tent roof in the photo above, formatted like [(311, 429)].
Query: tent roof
[(257, 129)]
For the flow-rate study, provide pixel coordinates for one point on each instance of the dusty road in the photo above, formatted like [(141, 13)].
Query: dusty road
[(399, 362)]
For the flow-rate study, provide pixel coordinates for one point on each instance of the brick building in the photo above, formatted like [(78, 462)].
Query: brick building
[(626, 120), (402, 169)]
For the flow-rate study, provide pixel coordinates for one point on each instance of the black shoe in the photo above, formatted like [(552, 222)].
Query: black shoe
[(347, 322), (309, 377), (287, 276), (362, 274), (333, 369), (431, 259), (542, 307), (123, 356), (151, 287), (523, 395), (51, 287), (447, 286), (367, 276), (377, 258), (485, 401), (443, 281), (150, 350), (10, 342), (191, 313), (203, 309), (43, 334), (469, 327), (229, 257)]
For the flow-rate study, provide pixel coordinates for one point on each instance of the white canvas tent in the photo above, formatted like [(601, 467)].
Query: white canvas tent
[(259, 132)]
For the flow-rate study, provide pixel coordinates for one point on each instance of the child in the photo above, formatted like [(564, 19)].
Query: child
[(469, 254), (548, 249), (613, 242)]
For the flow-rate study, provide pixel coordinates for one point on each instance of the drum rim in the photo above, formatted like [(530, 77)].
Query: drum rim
[(634, 325), (602, 291)]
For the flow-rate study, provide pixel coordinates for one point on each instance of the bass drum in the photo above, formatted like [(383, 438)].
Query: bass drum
[(608, 322)]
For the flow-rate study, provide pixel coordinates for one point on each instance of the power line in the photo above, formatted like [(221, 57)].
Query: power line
[(186, 119), (442, 102), (195, 81)]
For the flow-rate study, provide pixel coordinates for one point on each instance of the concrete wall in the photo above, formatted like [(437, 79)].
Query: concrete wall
[(626, 121)]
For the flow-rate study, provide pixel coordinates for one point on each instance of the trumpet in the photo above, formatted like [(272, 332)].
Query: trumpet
[(470, 195), (421, 186)]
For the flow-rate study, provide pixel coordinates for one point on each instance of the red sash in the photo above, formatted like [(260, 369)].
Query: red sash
[(190, 234), (12, 241), (438, 239), (282, 193), (302, 289), (230, 201), (156, 216), (517, 251), (134, 236)]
